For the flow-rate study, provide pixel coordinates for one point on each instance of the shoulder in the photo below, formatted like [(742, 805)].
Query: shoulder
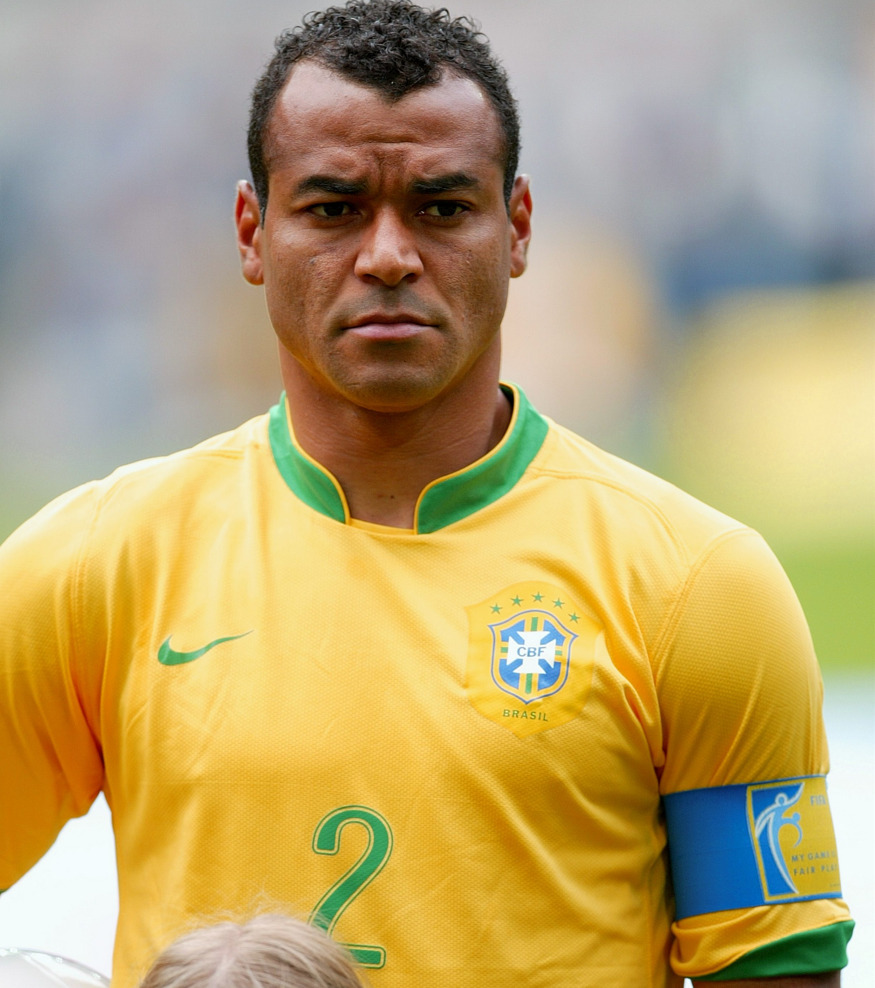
[(616, 484), (137, 497), (645, 526), (215, 459), (702, 591)]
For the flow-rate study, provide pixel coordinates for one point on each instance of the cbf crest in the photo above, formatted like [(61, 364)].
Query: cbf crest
[(530, 653), (530, 657)]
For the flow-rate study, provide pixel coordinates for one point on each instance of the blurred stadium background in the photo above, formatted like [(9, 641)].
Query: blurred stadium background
[(701, 296)]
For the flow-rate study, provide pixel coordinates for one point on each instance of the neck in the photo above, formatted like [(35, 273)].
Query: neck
[(384, 460)]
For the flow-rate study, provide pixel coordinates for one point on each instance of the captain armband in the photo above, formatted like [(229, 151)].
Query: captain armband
[(734, 847)]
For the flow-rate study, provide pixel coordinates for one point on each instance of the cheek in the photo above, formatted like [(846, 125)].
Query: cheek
[(482, 286), (298, 288)]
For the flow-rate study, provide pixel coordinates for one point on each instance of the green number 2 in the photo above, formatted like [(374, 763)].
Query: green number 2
[(326, 840)]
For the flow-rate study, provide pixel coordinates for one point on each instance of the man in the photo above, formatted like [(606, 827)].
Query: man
[(403, 655)]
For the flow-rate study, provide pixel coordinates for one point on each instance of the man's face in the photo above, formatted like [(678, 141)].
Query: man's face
[(386, 245)]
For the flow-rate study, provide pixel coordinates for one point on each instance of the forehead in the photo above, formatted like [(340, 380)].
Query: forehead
[(319, 112)]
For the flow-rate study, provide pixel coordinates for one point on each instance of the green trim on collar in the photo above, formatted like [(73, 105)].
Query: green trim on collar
[(460, 494), (305, 478), (812, 952), (444, 501)]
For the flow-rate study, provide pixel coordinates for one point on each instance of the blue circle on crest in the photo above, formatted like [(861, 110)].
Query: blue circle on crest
[(531, 651)]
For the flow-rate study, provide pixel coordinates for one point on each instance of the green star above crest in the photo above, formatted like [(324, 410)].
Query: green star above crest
[(516, 601), (496, 608), (537, 596), (558, 603)]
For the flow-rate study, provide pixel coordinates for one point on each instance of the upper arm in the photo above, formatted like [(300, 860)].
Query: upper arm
[(739, 685), (51, 767), (751, 842)]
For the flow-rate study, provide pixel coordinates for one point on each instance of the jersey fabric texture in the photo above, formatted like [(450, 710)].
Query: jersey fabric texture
[(449, 746)]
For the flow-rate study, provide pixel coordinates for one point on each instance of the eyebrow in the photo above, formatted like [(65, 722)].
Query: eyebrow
[(330, 184), (333, 185), (454, 182)]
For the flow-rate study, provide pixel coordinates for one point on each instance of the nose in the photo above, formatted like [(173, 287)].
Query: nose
[(388, 251)]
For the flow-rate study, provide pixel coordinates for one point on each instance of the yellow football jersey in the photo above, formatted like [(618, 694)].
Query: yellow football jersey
[(469, 751)]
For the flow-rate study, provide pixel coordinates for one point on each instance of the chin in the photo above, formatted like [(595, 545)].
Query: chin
[(395, 395)]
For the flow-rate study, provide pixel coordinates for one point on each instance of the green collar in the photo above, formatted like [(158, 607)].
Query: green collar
[(445, 500)]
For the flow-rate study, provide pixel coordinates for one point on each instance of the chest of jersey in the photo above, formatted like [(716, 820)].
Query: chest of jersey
[(436, 747)]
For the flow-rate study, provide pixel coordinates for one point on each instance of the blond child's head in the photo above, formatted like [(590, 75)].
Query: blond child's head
[(270, 951)]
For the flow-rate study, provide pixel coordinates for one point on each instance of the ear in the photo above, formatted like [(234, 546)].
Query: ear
[(247, 216), (520, 213)]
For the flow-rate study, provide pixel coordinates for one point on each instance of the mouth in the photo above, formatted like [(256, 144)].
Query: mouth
[(380, 326)]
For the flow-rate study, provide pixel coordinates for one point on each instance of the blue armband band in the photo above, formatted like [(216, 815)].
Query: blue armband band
[(733, 847)]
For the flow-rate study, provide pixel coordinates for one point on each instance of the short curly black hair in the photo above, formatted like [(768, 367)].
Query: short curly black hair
[(393, 46)]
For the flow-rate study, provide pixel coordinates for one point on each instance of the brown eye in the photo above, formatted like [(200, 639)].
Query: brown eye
[(445, 209), (331, 210)]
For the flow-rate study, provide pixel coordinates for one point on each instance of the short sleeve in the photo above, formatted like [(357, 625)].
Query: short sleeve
[(51, 767), (745, 759)]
